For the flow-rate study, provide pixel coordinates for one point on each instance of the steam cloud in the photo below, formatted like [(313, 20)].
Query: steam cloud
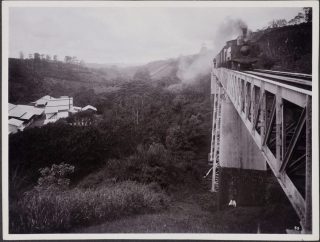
[(228, 29), (190, 70)]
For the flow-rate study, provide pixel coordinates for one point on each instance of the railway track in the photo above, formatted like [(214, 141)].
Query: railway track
[(294, 79)]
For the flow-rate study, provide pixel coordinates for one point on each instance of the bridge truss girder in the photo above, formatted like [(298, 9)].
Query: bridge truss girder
[(269, 110)]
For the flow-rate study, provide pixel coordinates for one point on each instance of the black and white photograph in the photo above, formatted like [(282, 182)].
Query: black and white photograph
[(160, 120)]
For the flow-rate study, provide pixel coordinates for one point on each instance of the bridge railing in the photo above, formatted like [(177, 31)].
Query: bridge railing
[(278, 116)]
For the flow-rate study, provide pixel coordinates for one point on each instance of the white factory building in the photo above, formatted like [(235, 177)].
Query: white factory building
[(21, 116), (47, 108), (55, 108)]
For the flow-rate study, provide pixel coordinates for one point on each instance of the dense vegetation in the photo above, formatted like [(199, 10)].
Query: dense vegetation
[(288, 48), (30, 79), (140, 146)]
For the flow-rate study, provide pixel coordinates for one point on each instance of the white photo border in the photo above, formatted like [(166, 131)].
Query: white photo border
[(6, 5)]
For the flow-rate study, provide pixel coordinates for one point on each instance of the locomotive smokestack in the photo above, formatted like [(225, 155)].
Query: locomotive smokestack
[(244, 32)]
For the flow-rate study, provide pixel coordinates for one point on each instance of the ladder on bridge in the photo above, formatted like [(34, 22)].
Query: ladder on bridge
[(215, 139)]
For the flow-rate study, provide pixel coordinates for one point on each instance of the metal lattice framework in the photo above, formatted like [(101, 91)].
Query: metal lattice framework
[(278, 116), (215, 137)]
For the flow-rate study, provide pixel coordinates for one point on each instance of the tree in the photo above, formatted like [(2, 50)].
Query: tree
[(308, 14), (272, 24), (175, 140), (55, 58), (276, 23), (300, 18), (30, 56), (82, 63), (142, 75), (48, 57), (21, 55), (67, 59), (74, 60), (281, 22), (37, 56)]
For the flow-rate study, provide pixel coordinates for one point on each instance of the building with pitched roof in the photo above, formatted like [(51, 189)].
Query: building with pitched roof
[(15, 125), (22, 116), (57, 108), (42, 102), (44, 110)]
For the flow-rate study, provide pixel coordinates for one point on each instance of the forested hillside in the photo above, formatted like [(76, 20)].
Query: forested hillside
[(30, 79), (145, 142), (288, 48)]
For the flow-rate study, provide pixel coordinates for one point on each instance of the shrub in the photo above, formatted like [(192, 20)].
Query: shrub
[(46, 211), (150, 164), (54, 178)]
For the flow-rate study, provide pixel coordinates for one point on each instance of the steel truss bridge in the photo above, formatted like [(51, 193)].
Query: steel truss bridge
[(278, 117)]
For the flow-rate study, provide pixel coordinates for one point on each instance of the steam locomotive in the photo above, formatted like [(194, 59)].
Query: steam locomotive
[(238, 54)]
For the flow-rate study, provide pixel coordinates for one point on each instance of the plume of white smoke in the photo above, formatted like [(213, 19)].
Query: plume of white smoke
[(190, 68), (229, 29), (176, 88)]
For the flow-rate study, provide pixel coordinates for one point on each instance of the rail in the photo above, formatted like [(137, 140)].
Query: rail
[(291, 80), (301, 75)]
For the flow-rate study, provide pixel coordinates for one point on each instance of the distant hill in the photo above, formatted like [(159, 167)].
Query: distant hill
[(157, 69), (161, 69), (30, 79)]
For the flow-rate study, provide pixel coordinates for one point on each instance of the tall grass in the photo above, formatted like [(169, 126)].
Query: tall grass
[(59, 211)]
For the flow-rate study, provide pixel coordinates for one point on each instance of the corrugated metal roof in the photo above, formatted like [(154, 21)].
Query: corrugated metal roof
[(15, 122), (16, 112), (11, 106), (50, 110), (89, 107), (44, 99), (41, 102), (25, 111), (27, 115), (60, 102), (63, 108), (75, 109)]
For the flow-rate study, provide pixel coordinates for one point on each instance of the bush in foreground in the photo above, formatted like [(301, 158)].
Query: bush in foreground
[(151, 164), (47, 212)]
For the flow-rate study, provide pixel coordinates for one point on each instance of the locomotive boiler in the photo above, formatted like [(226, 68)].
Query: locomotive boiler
[(238, 54)]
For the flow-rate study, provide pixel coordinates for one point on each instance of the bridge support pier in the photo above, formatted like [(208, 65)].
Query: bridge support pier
[(242, 166)]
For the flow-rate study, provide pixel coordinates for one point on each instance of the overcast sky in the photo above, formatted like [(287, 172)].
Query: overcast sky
[(126, 35)]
